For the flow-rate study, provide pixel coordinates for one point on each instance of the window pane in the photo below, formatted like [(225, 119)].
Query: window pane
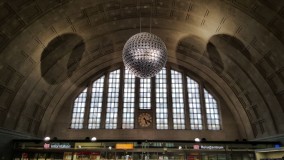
[(194, 105), (128, 101), (212, 113), (178, 101), (79, 110), (96, 104), (112, 100), (145, 93), (161, 100)]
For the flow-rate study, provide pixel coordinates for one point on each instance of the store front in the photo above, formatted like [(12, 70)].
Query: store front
[(136, 150)]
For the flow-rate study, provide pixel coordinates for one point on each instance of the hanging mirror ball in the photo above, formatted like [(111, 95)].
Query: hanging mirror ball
[(144, 55)]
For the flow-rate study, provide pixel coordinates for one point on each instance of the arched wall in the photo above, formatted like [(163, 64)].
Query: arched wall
[(27, 28)]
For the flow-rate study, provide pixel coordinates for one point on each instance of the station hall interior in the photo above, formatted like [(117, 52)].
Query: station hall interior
[(62, 75)]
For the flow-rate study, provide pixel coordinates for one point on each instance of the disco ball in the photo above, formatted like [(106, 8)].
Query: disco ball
[(144, 55)]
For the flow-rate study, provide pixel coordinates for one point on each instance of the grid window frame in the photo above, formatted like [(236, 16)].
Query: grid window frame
[(177, 100), (95, 114), (194, 104), (128, 101), (212, 111), (78, 114), (145, 93), (161, 100), (112, 100)]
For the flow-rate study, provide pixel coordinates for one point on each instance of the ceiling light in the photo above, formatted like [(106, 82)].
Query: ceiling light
[(93, 139), (144, 55), (197, 140), (46, 139)]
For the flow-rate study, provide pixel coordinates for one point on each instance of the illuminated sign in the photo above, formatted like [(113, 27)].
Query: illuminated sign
[(56, 145), (207, 147), (124, 146), (211, 147), (195, 146), (46, 145), (277, 146)]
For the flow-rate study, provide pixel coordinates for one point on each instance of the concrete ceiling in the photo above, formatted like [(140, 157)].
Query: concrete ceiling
[(48, 48)]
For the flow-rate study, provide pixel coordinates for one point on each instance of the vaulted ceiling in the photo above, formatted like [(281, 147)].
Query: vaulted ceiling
[(48, 48)]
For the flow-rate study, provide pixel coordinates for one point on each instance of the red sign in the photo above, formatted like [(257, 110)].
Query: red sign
[(84, 153), (46, 145), (96, 153), (196, 146), (24, 155)]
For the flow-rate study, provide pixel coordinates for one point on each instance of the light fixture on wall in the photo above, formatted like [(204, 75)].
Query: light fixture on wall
[(46, 139), (93, 139), (197, 140), (144, 54)]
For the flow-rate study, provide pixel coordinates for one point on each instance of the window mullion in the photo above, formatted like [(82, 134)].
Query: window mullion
[(203, 107), (153, 101), (120, 100), (186, 103), (87, 107), (137, 96), (104, 103), (170, 102)]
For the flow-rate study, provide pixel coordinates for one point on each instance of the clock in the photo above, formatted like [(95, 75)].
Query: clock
[(144, 119)]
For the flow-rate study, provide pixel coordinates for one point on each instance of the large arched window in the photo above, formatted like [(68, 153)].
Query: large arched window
[(174, 99)]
